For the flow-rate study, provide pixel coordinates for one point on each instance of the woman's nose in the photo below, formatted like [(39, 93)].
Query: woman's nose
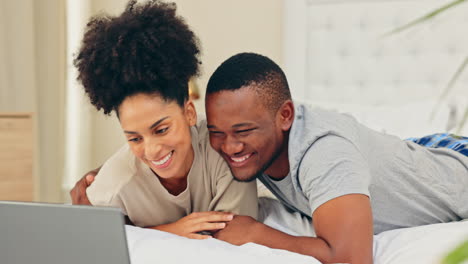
[(152, 150)]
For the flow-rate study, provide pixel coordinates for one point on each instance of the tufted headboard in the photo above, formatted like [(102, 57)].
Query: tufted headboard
[(335, 54)]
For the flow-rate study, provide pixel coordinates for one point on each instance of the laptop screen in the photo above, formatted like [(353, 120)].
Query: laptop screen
[(56, 233)]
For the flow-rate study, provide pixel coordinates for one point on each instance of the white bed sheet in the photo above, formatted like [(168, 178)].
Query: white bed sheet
[(153, 246), (425, 244)]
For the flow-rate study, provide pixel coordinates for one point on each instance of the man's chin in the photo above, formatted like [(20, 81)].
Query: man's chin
[(252, 178), (245, 177)]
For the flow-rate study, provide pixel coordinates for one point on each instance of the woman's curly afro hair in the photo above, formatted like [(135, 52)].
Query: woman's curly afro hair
[(147, 49)]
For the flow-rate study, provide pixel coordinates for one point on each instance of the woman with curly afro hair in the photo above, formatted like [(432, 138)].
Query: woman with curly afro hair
[(167, 177)]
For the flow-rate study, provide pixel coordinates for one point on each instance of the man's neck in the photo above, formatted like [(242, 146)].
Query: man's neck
[(279, 169)]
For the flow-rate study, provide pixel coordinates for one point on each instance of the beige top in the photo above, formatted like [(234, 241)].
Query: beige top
[(126, 182)]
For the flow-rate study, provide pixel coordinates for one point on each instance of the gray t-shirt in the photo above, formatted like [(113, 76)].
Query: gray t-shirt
[(331, 155)]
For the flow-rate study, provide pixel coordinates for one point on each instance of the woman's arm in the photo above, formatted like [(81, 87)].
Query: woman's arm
[(191, 225)]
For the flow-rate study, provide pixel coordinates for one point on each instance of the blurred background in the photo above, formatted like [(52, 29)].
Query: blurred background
[(335, 54)]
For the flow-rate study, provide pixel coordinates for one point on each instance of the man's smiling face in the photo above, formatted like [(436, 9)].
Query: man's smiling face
[(243, 131)]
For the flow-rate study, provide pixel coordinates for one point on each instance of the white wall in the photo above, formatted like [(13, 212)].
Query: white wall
[(17, 51), (229, 27), (50, 83)]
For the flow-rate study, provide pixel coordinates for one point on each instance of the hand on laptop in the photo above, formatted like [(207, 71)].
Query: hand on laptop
[(196, 224), (78, 193)]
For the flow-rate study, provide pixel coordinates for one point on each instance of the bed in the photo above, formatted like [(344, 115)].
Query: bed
[(424, 244)]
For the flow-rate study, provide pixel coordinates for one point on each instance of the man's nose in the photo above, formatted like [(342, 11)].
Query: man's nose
[(232, 146)]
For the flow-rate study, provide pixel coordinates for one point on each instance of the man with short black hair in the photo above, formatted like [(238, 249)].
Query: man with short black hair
[(352, 181)]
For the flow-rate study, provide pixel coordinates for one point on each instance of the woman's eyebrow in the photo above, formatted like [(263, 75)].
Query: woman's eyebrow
[(158, 122), (151, 127)]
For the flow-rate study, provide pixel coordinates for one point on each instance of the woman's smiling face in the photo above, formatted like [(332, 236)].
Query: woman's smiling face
[(158, 132)]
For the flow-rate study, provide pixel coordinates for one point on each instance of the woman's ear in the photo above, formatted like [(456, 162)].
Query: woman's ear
[(190, 113), (285, 115)]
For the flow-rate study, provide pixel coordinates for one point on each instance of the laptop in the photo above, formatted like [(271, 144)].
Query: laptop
[(56, 233)]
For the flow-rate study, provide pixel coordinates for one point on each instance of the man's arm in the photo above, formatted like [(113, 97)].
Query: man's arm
[(343, 226), (78, 193)]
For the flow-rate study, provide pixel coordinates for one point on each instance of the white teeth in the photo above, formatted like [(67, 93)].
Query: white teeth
[(241, 159), (164, 160)]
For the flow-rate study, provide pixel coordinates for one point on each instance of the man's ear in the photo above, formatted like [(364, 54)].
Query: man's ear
[(285, 115), (190, 113)]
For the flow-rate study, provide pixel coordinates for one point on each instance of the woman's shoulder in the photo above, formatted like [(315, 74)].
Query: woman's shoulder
[(212, 160), (114, 174)]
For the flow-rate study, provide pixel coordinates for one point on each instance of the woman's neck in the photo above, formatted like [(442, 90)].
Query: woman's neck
[(174, 186)]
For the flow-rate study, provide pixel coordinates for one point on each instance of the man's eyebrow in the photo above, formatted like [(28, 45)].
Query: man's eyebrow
[(151, 127), (234, 126), (241, 125)]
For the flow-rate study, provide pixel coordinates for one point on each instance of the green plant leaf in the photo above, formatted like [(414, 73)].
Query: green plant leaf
[(458, 255), (425, 17), (449, 87), (454, 78)]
